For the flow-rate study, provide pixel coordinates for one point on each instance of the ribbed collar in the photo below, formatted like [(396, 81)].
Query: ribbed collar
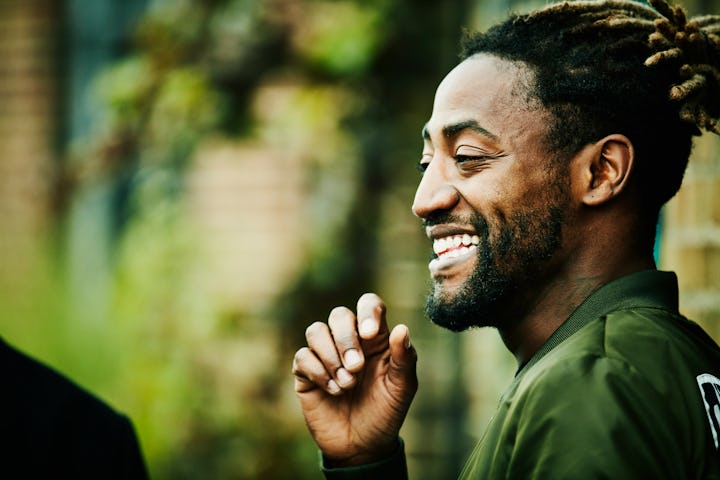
[(648, 288)]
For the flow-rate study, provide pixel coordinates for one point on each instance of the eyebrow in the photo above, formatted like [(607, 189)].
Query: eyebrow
[(453, 129)]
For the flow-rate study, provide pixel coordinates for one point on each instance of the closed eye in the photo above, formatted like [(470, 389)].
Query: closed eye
[(473, 163), (470, 158), (470, 161), (424, 162)]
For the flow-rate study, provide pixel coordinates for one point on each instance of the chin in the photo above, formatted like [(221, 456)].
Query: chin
[(444, 307), (447, 288), (471, 304)]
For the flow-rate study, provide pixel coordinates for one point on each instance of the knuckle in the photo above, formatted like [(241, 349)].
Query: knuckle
[(299, 359), (369, 297), (306, 368), (345, 340), (314, 329), (337, 315), (340, 321), (300, 354), (371, 300)]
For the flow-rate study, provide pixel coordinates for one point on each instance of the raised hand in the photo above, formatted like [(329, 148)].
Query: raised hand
[(355, 381)]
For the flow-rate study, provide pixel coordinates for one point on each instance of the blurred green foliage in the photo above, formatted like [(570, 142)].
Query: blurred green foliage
[(340, 85), (341, 38)]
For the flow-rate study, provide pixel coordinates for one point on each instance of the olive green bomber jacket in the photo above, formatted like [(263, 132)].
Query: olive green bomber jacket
[(625, 388)]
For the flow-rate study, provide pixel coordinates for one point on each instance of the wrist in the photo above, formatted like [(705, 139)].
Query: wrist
[(364, 458)]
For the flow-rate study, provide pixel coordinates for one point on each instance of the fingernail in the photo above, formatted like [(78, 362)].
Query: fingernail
[(344, 376), (367, 327), (352, 358), (333, 387), (407, 341)]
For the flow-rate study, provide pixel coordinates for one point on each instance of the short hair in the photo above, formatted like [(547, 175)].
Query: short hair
[(614, 66)]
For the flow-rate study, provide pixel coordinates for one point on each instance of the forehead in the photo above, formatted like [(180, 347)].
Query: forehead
[(492, 91)]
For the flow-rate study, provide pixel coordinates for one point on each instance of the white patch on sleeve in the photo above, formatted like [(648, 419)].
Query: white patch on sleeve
[(710, 391)]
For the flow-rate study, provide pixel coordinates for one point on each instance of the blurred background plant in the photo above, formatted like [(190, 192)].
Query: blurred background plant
[(190, 183)]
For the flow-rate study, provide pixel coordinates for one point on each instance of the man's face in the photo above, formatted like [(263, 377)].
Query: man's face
[(491, 197)]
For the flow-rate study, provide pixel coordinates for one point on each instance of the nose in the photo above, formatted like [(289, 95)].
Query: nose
[(435, 192)]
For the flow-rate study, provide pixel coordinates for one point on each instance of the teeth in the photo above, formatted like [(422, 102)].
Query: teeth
[(455, 245)]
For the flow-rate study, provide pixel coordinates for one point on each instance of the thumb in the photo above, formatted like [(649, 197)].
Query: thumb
[(403, 360)]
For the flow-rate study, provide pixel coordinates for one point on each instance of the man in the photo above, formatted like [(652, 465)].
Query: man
[(51, 428), (550, 150)]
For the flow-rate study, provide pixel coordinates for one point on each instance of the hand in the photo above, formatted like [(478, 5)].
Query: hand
[(355, 381)]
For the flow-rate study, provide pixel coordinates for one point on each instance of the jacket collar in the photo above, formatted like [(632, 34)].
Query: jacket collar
[(648, 288)]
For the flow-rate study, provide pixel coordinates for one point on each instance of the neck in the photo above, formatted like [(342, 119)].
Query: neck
[(546, 308)]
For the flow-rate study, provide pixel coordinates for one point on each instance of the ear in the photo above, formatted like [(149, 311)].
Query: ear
[(603, 169)]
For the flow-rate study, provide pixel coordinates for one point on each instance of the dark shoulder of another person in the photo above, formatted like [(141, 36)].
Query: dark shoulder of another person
[(51, 426)]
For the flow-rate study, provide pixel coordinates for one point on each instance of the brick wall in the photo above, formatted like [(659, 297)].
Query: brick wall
[(28, 91), (246, 203), (690, 241)]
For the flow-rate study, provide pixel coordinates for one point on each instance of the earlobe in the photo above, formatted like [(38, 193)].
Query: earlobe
[(607, 169)]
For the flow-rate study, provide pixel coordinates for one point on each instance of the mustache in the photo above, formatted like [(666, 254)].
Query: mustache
[(439, 218)]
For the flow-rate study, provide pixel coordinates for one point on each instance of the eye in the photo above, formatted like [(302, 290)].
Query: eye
[(424, 162), (472, 163), (470, 158), (468, 153)]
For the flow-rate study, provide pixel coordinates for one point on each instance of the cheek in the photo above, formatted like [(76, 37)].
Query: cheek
[(534, 189), (485, 191), (500, 192)]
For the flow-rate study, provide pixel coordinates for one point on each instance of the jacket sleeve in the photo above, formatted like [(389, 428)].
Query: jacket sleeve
[(391, 468)]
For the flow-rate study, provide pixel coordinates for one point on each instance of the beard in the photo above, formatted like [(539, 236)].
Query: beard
[(508, 259)]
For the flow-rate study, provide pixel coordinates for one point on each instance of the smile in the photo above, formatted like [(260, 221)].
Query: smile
[(451, 248)]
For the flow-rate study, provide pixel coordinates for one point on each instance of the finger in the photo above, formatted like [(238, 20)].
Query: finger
[(320, 341), (371, 316), (310, 373), (403, 361), (343, 325)]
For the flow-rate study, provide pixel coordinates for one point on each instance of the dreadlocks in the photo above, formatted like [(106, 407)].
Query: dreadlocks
[(616, 66)]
